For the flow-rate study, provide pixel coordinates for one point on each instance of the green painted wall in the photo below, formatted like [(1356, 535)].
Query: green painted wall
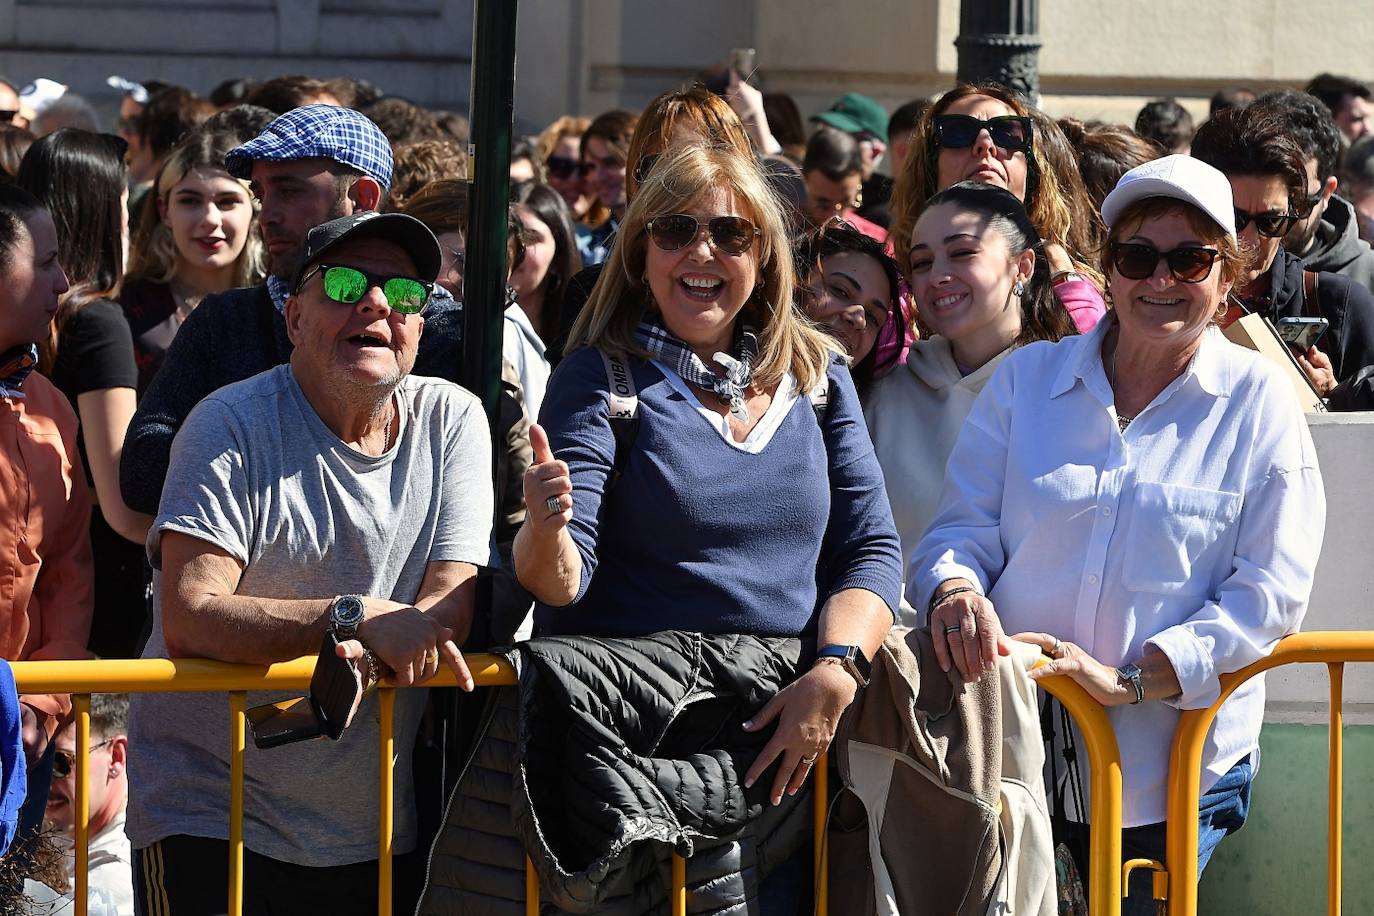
[(1277, 863)]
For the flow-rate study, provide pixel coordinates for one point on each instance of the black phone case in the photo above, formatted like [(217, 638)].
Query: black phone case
[(334, 689)]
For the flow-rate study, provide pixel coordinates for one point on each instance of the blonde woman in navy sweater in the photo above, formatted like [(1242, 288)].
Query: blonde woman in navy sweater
[(723, 517)]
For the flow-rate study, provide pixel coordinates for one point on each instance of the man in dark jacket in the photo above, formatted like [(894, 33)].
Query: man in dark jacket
[(1254, 148), (1327, 234), (309, 166)]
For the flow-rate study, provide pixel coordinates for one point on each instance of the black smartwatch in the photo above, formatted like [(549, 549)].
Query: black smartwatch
[(345, 616), (850, 658)]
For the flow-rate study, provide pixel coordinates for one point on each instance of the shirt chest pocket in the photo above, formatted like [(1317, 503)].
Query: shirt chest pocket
[(1177, 537)]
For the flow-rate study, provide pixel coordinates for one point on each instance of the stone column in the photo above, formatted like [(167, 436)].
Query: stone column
[(999, 41)]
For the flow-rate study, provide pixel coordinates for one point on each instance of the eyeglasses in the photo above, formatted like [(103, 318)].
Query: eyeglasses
[(563, 168), (64, 762), (347, 285), (731, 234), (1269, 225), (1138, 262), (1010, 132), (7, 115)]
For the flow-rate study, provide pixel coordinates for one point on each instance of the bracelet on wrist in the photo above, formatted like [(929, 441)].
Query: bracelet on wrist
[(940, 598)]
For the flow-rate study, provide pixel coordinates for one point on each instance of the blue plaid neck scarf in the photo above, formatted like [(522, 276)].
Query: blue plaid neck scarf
[(15, 366), (737, 369)]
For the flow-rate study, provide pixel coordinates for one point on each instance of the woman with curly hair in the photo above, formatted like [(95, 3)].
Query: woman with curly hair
[(985, 133)]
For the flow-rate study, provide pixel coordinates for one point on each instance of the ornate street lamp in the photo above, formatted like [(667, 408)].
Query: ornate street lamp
[(999, 42)]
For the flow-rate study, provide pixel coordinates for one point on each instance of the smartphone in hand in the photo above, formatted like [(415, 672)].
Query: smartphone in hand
[(1302, 333), (336, 690)]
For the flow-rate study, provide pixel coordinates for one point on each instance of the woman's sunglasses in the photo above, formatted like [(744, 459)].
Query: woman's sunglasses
[(1269, 225), (1138, 262), (1009, 132), (346, 285), (563, 168), (731, 234)]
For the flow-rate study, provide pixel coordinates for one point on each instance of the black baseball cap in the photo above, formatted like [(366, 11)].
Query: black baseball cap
[(408, 232)]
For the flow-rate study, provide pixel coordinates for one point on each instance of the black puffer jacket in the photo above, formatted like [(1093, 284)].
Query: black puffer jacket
[(1347, 305), (609, 755)]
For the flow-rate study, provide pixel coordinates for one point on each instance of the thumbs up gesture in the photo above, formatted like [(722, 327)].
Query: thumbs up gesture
[(548, 488)]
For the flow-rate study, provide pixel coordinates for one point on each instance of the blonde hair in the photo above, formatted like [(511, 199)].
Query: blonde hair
[(1046, 199), (153, 254), (787, 341)]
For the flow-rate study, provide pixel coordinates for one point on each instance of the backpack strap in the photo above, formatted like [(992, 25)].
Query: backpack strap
[(820, 399), (1311, 305), (622, 407)]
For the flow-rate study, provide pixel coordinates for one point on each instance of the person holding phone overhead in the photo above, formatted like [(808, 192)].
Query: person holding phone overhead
[(1142, 502), (1268, 176), (337, 494)]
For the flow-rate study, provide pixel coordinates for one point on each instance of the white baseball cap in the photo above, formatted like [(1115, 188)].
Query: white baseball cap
[(1181, 178)]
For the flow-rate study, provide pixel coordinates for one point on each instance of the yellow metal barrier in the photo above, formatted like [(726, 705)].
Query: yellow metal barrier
[(1185, 766), (1104, 804), (82, 678)]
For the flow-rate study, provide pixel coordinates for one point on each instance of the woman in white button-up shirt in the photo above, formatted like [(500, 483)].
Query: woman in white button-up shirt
[(1142, 501)]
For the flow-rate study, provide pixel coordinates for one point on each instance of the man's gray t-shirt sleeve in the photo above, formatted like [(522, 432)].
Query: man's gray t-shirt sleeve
[(207, 491), (466, 506)]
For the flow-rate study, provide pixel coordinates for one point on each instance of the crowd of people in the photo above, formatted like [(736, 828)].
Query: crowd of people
[(895, 395)]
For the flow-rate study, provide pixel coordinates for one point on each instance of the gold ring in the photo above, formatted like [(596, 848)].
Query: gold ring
[(432, 657)]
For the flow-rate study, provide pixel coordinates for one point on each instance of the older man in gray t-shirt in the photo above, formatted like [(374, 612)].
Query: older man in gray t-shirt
[(335, 475)]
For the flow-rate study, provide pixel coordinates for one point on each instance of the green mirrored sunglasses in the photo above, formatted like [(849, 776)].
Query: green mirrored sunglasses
[(347, 285)]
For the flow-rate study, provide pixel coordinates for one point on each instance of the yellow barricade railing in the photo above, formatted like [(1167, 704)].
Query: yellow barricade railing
[(1185, 766), (83, 678), (1104, 804)]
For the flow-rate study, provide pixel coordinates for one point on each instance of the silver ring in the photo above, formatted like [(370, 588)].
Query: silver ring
[(810, 760), (953, 628), (554, 504), (1054, 650)]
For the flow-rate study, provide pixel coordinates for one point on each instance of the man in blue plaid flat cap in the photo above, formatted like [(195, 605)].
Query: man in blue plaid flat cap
[(311, 165)]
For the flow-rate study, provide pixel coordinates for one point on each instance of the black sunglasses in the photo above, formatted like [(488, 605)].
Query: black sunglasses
[(347, 285), (563, 168), (731, 234), (1009, 132), (1138, 262), (64, 762), (1269, 225)]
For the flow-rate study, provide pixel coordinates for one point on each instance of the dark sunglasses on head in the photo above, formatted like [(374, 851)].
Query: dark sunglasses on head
[(1009, 132), (64, 762), (731, 234), (563, 168), (346, 285), (1138, 262), (1269, 225), (643, 166)]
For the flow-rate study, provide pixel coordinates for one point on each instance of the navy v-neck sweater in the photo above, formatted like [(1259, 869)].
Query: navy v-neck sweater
[(699, 535)]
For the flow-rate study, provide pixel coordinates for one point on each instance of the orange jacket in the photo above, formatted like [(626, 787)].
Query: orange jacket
[(47, 589)]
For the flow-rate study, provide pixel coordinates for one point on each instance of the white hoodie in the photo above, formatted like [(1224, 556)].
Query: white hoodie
[(914, 414)]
